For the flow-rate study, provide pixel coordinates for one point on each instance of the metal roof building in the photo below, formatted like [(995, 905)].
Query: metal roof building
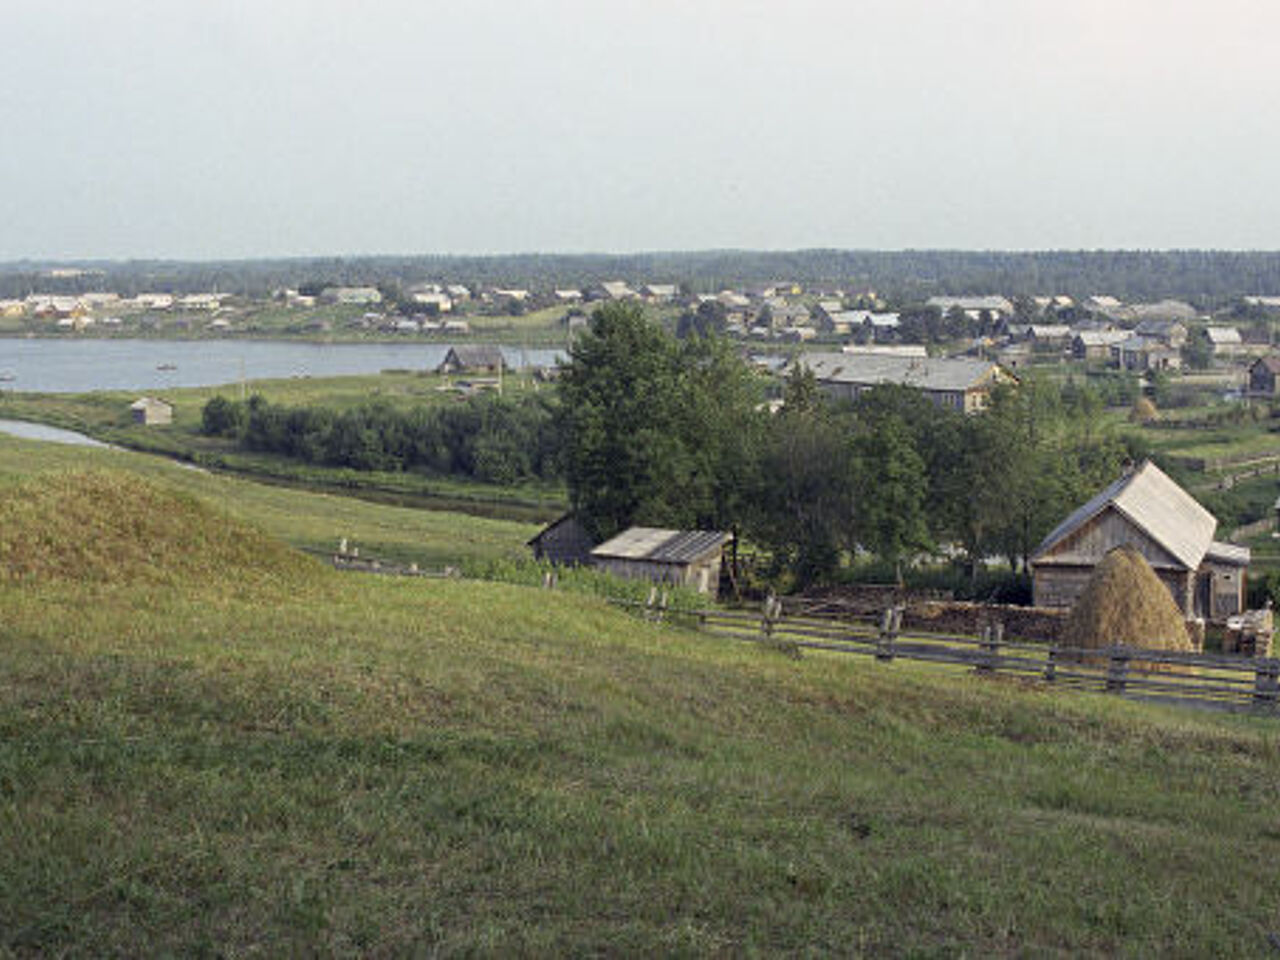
[(688, 558)]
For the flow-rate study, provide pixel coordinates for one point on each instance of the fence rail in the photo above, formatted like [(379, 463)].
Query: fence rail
[(1208, 680)]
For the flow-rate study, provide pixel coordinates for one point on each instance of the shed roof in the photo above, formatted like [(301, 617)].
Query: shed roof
[(949, 374), (1155, 504), (662, 546), (471, 355)]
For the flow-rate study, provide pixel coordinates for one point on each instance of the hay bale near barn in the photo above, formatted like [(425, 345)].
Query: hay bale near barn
[(1125, 604)]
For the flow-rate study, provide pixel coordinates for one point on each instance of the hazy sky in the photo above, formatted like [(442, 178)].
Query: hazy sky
[(241, 128)]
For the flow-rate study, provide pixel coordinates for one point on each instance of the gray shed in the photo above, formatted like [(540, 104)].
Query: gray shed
[(688, 558), (472, 358)]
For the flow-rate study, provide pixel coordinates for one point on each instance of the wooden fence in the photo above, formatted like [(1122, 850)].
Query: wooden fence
[(1213, 681)]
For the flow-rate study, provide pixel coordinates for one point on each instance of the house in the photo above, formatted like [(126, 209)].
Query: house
[(958, 384), (686, 558), (613, 290), (1141, 353), (457, 291), (440, 302), (568, 296), (1096, 344), (917, 350), (996, 307), (564, 541), (1049, 334), (351, 295), (151, 411), (200, 301), (1148, 511), (472, 358), (660, 292), (1263, 374), (1101, 303), (1224, 341)]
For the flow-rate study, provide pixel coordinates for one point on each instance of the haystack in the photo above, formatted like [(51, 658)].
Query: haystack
[(1144, 411), (1125, 604)]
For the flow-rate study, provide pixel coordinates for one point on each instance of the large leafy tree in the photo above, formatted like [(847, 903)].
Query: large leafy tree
[(656, 432)]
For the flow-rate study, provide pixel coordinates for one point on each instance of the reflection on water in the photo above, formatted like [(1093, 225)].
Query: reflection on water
[(76, 366), (38, 431)]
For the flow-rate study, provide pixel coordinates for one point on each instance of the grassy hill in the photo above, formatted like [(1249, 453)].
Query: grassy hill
[(215, 746)]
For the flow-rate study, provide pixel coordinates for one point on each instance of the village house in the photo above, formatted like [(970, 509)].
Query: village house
[(958, 384), (994, 306), (686, 558), (1224, 342), (472, 358), (361, 296), (1148, 511), (151, 411), (612, 290), (434, 299), (1095, 345), (1171, 333), (1140, 354), (660, 292), (1263, 374)]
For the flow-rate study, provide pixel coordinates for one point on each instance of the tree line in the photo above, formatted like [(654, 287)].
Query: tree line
[(488, 438), (1206, 277)]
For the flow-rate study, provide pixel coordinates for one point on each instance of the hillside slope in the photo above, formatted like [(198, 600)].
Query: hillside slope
[(366, 765)]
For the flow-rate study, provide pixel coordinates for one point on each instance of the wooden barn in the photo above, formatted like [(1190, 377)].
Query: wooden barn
[(687, 558), (1148, 511), (472, 358), (1264, 376), (564, 541)]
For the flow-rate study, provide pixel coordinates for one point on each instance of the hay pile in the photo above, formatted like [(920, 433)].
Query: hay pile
[(1144, 411), (115, 527), (1125, 604)]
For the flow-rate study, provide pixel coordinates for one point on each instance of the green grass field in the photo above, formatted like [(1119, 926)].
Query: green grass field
[(308, 520), (105, 415), (258, 755)]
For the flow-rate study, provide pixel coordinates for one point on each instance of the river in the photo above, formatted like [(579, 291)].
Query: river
[(78, 366)]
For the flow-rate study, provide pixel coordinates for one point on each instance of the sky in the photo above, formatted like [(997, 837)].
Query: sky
[(265, 128)]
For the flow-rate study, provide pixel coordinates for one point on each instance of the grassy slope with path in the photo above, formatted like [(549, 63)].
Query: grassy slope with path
[(227, 761)]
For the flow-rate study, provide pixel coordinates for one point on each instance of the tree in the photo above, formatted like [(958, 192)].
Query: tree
[(891, 519), (654, 433)]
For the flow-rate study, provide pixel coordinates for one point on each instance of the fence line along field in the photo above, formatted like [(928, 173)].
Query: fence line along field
[(1213, 681)]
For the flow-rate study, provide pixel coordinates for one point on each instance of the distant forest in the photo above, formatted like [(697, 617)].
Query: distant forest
[(1205, 278)]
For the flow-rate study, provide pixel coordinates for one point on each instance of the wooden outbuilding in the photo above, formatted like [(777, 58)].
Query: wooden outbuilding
[(1148, 511), (151, 411), (472, 358), (1264, 375), (564, 541), (687, 558)]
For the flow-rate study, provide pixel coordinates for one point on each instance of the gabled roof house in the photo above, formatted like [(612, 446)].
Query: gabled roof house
[(1145, 509)]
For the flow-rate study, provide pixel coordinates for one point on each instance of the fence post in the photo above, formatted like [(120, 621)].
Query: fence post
[(766, 617), (888, 633), (662, 606), (992, 635), (1051, 666), (1119, 670), (1266, 689)]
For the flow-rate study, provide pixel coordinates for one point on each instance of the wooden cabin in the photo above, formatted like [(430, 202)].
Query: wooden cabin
[(1147, 510)]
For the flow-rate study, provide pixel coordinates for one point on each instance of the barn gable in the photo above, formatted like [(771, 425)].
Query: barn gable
[(1094, 538)]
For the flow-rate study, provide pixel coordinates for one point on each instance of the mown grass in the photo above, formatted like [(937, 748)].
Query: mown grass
[(308, 520), (374, 766), (224, 763)]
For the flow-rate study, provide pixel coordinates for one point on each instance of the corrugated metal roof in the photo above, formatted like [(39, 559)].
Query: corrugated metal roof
[(662, 546), (1157, 505), (1229, 553), (930, 373)]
